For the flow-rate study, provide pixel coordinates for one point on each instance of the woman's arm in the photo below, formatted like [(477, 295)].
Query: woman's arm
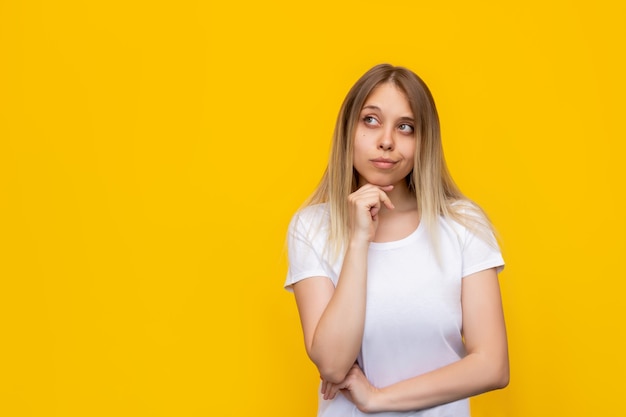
[(333, 318), (484, 368)]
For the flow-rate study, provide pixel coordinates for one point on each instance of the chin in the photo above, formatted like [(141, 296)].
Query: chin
[(382, 180), (383, 183)]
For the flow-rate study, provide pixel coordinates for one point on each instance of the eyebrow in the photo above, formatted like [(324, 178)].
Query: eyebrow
[(371, 106)]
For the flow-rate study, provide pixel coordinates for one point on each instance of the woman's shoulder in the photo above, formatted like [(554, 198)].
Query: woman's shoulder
[(309, 220), (468, 219), (312, 214), (467, 211), (309, 228), (464, 206)]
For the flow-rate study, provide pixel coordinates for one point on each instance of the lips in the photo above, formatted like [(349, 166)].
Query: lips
[(383, 163)]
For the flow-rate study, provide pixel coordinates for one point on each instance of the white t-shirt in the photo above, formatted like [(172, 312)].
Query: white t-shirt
[(413, 311)]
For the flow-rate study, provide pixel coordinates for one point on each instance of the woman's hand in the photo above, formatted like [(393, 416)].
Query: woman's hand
[(355, 387), (329, 390), (365, 204)]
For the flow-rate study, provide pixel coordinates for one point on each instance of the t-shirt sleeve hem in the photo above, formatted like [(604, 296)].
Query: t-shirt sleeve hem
[(492, 263), (302, 276)]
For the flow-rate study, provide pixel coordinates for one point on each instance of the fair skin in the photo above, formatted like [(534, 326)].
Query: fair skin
[(383, 209)]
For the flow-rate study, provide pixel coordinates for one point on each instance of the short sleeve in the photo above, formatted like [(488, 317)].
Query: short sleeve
[(479, 254), (306, 245)]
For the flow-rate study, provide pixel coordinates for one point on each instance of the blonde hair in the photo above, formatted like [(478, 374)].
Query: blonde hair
[(430, 181)]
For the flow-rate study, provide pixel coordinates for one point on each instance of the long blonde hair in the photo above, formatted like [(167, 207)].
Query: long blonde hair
[(430, 181)]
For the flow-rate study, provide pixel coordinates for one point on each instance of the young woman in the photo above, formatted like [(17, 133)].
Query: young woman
[(395, 271)]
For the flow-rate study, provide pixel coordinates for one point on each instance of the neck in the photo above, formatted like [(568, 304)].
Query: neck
[(402, 197)]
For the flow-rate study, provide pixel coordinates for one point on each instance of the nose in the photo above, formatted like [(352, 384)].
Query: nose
[(386, 142)]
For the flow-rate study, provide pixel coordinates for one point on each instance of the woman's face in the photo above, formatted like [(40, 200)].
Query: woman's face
[(385, 141)]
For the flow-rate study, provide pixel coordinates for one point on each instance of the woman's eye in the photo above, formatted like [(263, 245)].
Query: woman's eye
[(406, 128), (369, 120)]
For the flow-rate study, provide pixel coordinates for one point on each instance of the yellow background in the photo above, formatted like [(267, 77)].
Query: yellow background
[(152, 153)]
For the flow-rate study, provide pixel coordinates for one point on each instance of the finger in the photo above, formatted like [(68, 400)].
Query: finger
[(328, 390), (374, 211), (386, 201), (333, 391), (324, 386)]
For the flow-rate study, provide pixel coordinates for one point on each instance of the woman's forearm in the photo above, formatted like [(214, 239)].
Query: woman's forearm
[(472, 375), (339, 333)]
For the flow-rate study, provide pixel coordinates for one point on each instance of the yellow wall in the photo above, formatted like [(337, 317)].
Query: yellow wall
[(152, 153)]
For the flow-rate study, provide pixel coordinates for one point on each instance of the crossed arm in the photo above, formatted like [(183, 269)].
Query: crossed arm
[(332, 321)]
